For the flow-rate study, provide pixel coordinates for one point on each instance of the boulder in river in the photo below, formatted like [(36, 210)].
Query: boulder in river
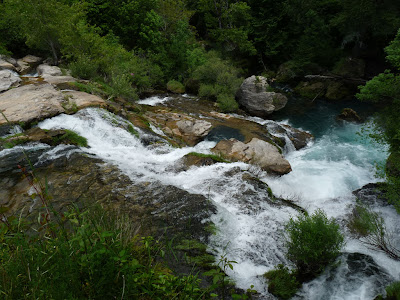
[(8, 79), (350, 115), (7, 63), (255, 98), (46, 70), (257, 152), (179, 125)]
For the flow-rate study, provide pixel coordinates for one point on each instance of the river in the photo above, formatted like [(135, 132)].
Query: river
[(250, 229)]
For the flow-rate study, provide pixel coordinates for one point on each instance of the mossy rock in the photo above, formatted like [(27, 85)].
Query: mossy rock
[(350, 115), (311, 90), (175, 87)]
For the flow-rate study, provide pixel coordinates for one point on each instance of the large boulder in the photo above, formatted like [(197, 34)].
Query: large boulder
[(29, 103), (46, 70), (8, 79), (257, 152), (255, 98)]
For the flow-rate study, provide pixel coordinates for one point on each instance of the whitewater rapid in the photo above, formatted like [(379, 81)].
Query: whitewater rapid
[(250, 230)]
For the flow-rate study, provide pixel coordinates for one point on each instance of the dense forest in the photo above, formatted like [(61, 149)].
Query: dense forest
[(129, 49)]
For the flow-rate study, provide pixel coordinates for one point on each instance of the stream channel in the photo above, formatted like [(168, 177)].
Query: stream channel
[(250, 229)]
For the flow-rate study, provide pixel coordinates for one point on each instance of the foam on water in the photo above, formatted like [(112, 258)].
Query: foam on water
[(154, 100), (250, 230)]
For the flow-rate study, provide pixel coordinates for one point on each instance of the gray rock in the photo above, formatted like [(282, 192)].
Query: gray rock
[(255, 98), (6, 64), (46, 70), (27, 63), (8, 79), (29, 103), (256, 152)]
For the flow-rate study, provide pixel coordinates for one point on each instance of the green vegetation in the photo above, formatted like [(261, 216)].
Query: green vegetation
[(385, 90), (71, 137), (91, 255), (313, 242), (175, 87), (392, 292), (281, 282), (371, 229)]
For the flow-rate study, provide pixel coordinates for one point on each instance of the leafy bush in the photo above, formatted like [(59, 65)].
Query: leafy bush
[(282, 282), (72, 137), (218, 81), (393, 291), (175, 87), (313, 242), (90, 255)]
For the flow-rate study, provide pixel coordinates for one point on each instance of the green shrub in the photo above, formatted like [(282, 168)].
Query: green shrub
[(71, 137), (227, 103), (175, 87), (98, 256), (218, 79), (282, 283), (313, 242), (362, 221), (393, 291), (83, 67)]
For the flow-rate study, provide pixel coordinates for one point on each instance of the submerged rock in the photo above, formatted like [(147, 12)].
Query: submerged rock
[(8, 79), (255, 98), (350, 115), (257, 152)]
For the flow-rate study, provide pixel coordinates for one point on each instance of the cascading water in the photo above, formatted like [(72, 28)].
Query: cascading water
[(249, 227)]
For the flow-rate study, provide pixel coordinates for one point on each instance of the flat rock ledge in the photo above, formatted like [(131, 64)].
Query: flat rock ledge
[(256, 152), (31, 103)]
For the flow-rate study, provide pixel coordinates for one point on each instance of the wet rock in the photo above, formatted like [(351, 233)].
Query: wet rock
[(372, 193), (28, 63), (78, 179), (180, 126), (46, 70), (194, 159), (350, 115), (29, 103), (8, 79), (299, 138), (257, 152), (255, 98)]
